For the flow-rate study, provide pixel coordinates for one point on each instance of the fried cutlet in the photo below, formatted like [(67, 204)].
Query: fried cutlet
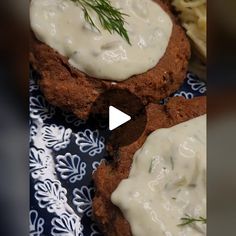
[(70, 89), (109, 175)]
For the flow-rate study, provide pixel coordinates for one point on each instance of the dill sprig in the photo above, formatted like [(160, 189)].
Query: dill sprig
[(151, 166), (189, 220), (111, 18)]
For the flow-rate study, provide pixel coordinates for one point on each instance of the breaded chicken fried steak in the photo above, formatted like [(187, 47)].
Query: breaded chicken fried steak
[(109, 175), (77, 63)]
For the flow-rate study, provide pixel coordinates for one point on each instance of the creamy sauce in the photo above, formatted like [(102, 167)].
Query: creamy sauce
[(61, 25), (167, 181)]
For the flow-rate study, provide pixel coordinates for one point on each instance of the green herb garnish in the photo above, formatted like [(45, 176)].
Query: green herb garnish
[(189, 220), (111, 18), (151, 165), (172, 162)]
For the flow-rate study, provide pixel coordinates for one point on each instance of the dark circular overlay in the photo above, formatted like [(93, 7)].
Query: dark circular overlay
[(126, 102)]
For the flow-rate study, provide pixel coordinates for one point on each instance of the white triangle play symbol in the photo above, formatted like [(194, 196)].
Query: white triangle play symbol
[(117, 118)]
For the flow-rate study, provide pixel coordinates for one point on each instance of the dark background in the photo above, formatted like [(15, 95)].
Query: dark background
[(14, 68)]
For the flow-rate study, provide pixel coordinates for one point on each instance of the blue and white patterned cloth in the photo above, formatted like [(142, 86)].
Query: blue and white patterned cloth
[(64, 152)]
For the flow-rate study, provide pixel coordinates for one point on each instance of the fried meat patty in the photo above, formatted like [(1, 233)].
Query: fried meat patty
[(108, 175), (68, 88)]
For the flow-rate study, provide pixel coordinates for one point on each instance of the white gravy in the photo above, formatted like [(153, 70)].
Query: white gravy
[(61, 25), (167, 181)]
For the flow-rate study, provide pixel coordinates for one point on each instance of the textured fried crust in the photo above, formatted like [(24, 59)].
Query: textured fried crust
[(70, 89), (108, 176)]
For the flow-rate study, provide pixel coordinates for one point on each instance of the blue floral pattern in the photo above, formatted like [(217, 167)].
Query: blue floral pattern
[(33, 130), (35, 223), (50, 195), (70, 118), (83, 200), (66, 225), (39, 108), (186, 95), (33, 83), (38, 162), (95, 230), (70, 167), (64, 153), (90, 142), (57, 137), (196, 84)]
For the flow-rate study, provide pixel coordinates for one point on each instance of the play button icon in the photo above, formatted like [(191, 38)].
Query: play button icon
[(119, 115), (117, 118)]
